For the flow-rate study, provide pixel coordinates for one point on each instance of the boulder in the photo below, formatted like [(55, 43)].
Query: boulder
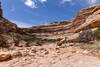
[(2, 41), (22, 43), (6, 41), (15, 54), (4, 56)]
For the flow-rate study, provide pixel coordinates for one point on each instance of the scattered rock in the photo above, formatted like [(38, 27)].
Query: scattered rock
[(6, 41), (85, 52), (22, 43), (15, 54)]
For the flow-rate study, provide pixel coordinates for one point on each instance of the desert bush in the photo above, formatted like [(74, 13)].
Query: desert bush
[(56, 33), (86, 36), (63, 32), (32, 38), (97, 33), (59, 39), (28, 38), (16, 36), (90, 47), (39, 43), (52, 40)]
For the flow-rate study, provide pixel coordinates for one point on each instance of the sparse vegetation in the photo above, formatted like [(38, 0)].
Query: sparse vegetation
[(90, 47), (56, 33), (16, 37), (52, 40), (31, 38), (97, 33), (27, 38), (63, 32)]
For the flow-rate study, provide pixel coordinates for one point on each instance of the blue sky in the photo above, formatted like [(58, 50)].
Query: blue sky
[(26, 13)]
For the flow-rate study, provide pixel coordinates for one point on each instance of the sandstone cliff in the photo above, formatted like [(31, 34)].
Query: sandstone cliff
[(87, 18), (7, 26)]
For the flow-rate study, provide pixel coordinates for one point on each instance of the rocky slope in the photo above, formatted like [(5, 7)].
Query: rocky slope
[(7, 26)]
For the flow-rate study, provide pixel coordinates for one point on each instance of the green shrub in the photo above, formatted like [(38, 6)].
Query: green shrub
[(28, 38), (97, 33), (52, 40), (56, 33), (59, 39), (16, 36), (90, 47)]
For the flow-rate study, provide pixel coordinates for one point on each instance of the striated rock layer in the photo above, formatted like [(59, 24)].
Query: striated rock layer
[(7, 26), (88, 17)]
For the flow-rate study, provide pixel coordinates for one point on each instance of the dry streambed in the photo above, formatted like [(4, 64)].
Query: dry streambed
[(49, 56)]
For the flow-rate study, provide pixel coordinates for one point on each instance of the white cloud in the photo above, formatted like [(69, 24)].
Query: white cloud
[(42, 1), (63, 1), (22, 24), (92, 1), (12, 9), (30, 3), (72, 4)]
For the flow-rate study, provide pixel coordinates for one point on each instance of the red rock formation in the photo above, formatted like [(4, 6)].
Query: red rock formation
[(93, 20), (0, 10), (82, 16), (65, 22), (7, 26)]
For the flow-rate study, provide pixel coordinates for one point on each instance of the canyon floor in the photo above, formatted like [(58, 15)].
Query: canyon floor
[(49, 55)]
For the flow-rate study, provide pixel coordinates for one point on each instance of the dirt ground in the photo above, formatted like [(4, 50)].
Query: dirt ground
[(52, 56)]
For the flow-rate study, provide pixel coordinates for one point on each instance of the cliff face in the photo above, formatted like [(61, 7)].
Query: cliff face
[(1, 12), (49, 28), (7, 26), (87, 18)]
